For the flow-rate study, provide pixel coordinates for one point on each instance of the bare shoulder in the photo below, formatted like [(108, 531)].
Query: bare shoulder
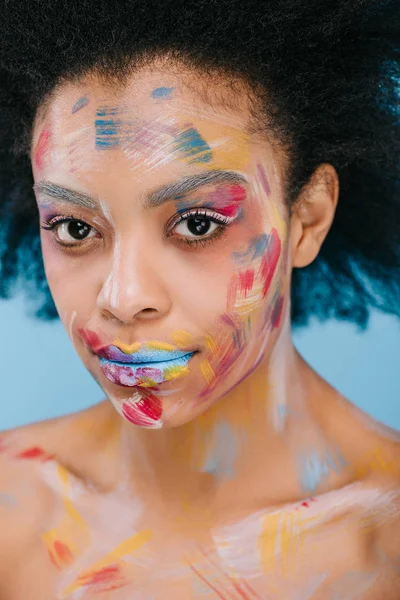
[(27, 456)]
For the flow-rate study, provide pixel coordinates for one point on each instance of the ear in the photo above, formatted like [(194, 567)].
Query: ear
[(312, 215)]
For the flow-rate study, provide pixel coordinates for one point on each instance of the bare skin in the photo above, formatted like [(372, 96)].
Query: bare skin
[(353, 548), (245, 475)]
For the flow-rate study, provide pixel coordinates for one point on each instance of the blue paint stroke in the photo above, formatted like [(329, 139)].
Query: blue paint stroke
[(256, 248), (190, 143), (7, 499), (223, 453), (80, 103), (162, 92), (108, 130), (314, 467)]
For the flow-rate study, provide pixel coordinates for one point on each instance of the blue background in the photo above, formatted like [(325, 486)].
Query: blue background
[(41, 374)]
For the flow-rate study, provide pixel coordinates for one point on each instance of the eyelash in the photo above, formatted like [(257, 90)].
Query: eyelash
[(52, 222)]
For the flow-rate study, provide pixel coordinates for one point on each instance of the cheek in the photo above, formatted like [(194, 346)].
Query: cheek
[(203, 288), (257, 282), (67, 279)]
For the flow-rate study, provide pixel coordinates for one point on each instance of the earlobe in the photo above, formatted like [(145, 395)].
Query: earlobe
[(313, 215)]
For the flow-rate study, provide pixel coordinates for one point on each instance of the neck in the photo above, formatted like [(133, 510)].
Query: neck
[(240, 451)]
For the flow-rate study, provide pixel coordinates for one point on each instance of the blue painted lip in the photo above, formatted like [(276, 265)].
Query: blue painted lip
[(142, 356)]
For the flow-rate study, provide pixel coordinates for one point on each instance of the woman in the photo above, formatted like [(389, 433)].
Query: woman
[(203, 176)]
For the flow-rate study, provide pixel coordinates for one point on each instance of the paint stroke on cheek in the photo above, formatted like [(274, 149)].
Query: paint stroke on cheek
[(79, 104), (277, 311), (161, 93), (270, 260), (255, 249), (248, 287)]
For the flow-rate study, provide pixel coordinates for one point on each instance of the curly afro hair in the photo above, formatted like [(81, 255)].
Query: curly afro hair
[(330, 72)]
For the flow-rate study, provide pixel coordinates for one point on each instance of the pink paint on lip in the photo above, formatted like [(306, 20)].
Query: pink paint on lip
[(129, 377)]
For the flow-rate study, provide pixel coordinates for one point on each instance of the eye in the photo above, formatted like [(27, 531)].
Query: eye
[(68, 231), (198, 223), (196, 226)]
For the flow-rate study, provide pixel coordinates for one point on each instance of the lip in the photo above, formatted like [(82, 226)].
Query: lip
[(146, 373)]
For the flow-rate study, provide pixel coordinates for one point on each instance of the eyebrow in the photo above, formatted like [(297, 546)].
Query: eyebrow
[(191, 184), (61, 193), (156, 198)]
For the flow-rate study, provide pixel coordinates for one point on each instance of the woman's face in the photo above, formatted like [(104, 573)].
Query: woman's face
[(165, 241)]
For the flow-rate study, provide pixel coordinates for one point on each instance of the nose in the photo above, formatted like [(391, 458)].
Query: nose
[(134, 287)]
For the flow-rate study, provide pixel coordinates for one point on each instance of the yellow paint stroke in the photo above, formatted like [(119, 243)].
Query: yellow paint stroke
[(73, 531), (127, 348), (147, 382), (279, 222), (230, 146), (207, 371), (182, 339), (128, 546), (159, 346), (174, 372), (211, 344), (282, 538), (377, 460)]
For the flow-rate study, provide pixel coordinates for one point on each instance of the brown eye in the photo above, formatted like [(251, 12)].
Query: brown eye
[(73, 231), (196, 226), (69, 232)]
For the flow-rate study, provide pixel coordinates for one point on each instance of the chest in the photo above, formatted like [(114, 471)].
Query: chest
[(89, 551)]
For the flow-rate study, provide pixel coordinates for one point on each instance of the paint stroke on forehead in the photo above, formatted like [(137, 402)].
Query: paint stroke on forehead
[(79, 104), (191, 145), (42, 149), (108, 127), (162, 93)]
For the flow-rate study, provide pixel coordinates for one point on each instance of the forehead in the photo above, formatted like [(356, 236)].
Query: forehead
[(149, 107)]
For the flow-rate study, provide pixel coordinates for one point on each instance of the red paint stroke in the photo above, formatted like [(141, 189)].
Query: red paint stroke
[(42, 148), (306, 503), (204, 580), (227, 199), (270, 260), (142, 374), (35, 453), (236, 583), (145, 409), (105, 580), (277, 312), (60, 555), (246, 281), (90, 338)]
